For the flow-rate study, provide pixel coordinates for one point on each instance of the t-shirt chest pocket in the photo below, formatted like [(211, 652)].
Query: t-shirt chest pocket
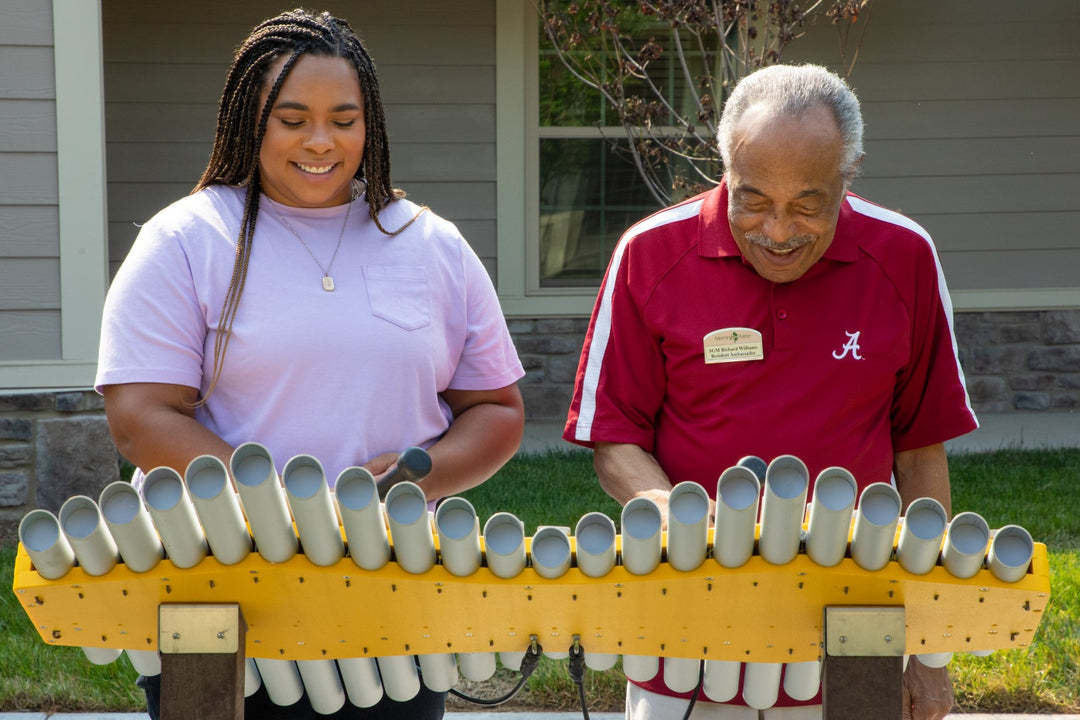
[(399, 294)]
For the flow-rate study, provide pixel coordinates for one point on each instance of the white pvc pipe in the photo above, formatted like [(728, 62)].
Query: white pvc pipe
[(786, 483), (737, 493), (174, 517), (102, 656), (131, 526), (599, 662), (84, 527), (478, 666), (53, 557), (964, 549), (642, 541), (919, 545), (362, 681), (596, 556), (830, 516), (511, 660), (362, 517), (458, 529), (312, 507), (145, 662), (721, 679), (399, 678), (252, 679), (802, 680), (323, 686), (640, 668), (761, 684), (935, 660), (595, 544), (263, 499), (281, 679), (1010, 553), (688, 526), (681, 674), (410, 528), (439, 672), (550, 552), (875, 526), (504, 545), (218, 508), (459, 536), (49, 550)]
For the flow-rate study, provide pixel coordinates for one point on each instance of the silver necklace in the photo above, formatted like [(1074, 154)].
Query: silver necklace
[(327, 279)]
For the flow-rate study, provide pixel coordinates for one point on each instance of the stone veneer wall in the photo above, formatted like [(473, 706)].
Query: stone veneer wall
[(53, 446), (1021, 360)]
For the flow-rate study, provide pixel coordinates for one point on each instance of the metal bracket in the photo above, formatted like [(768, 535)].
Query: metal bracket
[(199, 628), (864, 631)]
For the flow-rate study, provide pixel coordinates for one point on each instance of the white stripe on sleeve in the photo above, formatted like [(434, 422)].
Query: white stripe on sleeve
[(876, 211), (602, 325)]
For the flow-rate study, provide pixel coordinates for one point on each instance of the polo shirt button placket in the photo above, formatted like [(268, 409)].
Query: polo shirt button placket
[(781, 314)]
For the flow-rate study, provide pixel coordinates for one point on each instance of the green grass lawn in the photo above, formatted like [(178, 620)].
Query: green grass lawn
[(1039, 490)]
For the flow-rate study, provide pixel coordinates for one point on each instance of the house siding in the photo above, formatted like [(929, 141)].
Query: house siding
[(437, 82), (973, 129), (29, 226)]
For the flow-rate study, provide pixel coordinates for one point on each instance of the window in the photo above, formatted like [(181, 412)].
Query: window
[(590, 189), (565, 189)]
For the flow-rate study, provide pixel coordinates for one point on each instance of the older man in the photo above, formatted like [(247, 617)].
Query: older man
[(776, 314)]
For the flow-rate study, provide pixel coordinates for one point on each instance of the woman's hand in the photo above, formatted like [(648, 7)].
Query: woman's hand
[(381, 464)]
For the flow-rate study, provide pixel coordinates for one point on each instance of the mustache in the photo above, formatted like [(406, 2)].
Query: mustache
[(792, 243)]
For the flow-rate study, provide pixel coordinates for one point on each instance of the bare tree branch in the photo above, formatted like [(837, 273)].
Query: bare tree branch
[(610, 47)]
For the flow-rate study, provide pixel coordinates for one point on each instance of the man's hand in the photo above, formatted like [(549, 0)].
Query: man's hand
[(928, 692)]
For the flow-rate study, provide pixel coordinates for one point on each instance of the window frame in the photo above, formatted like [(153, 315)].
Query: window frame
[(518, 173), (81, 203)]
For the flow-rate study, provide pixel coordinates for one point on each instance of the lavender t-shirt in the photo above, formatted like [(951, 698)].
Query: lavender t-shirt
[(344, 375)]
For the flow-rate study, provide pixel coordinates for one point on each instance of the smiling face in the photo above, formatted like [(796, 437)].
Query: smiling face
[(314, 141), (784, 190)]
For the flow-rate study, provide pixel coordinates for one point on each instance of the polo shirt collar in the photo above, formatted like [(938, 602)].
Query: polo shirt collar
[(715, 239)]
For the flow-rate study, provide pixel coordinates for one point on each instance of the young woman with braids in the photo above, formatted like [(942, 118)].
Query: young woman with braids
[(297, 299)]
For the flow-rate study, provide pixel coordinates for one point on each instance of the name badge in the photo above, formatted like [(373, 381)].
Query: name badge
[(733, 345)]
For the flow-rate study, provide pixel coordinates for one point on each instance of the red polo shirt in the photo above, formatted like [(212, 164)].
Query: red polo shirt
[(857, 357)]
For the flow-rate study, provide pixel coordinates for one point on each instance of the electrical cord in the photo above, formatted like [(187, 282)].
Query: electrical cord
[(577, 674), (697, 690), (528, 666)]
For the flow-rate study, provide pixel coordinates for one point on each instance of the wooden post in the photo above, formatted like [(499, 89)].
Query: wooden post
[(202, 662), (864, 663)]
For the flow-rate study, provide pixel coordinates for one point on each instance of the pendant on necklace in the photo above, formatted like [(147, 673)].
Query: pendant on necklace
[(328, 283)]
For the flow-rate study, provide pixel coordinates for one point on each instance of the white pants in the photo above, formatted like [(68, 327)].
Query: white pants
[(644, 705)]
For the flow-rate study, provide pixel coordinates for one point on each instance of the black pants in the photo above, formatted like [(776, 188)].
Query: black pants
[(427, 705)]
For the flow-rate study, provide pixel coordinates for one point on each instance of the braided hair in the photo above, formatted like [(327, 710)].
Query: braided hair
[(241, 126)]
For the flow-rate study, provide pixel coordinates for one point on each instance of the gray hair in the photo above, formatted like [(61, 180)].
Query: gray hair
[(791, 90)]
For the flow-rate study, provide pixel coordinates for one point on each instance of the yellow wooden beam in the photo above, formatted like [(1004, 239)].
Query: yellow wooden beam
[(755, 613)]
